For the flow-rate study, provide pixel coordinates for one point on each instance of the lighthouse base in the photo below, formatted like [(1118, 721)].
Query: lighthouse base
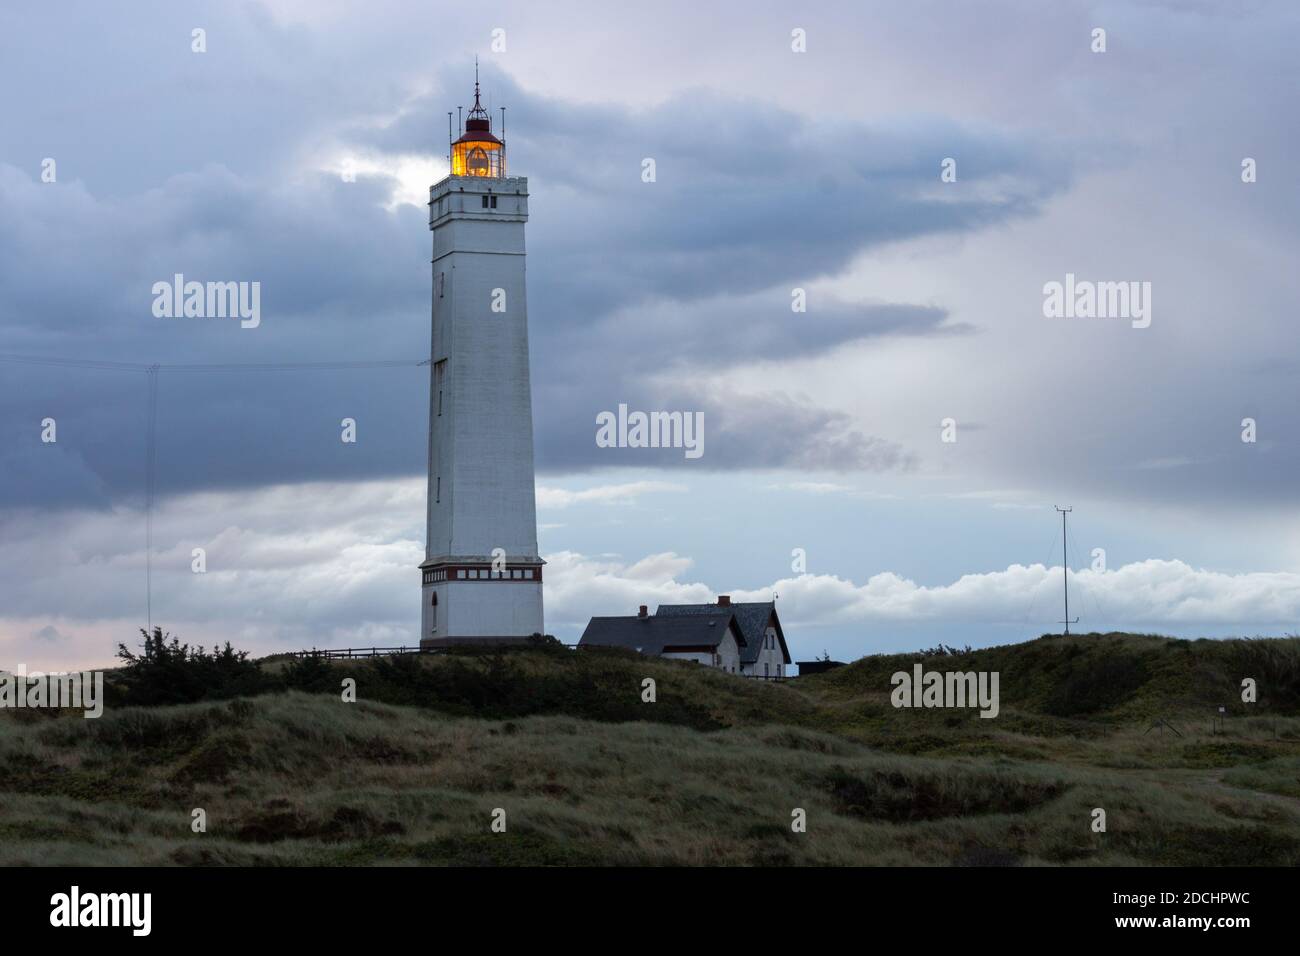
[(468, 602), (443, 643)]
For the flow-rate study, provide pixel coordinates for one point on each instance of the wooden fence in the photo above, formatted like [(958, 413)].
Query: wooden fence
[(341, 653), (348, 653)]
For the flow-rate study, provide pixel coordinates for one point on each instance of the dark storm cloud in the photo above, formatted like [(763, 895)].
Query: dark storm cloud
[(341, 278), (658, 358), (742, 428), (628, 281), (116, 95), (746, 196)]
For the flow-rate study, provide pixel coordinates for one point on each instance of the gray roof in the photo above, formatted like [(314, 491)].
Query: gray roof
[(651, 635), (752, 619)]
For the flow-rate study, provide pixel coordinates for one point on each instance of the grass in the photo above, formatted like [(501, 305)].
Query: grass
[(709, 774)]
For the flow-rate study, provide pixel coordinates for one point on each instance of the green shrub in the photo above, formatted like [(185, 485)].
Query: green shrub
[(169, 672)]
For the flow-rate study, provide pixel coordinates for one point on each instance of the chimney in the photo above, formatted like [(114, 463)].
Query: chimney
[(642, 612), (724, 600)]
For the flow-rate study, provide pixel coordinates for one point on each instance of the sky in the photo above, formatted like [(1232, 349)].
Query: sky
[(886, 462)]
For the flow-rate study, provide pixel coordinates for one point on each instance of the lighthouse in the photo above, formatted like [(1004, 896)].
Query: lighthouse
[(481, 576)]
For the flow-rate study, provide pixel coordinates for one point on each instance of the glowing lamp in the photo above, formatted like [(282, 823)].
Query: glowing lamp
[(478, 152)]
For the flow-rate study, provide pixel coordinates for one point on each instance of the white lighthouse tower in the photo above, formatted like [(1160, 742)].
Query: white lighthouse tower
[(482, 577)]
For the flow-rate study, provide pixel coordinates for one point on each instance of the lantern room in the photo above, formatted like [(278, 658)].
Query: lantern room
[(478, 152)]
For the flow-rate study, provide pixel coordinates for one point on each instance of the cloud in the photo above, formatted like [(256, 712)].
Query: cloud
[(1152, 593), (644, 313), (335, 564), (48, 633), (773, 429), (830, 488), (579, 587), (625, 493), (768, 196), (813, 487), (32, 471), (923, 300), (1169, 596)]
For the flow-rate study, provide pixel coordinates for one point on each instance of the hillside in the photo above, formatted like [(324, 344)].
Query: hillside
[(709, 774)]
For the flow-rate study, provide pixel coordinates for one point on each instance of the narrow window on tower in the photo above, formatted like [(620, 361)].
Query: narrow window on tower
[(439, 376), (485, 202), (437, 490), (441, 278), (494, 202)]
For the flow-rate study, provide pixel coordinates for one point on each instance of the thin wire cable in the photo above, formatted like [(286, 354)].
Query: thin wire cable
[(206, 367), (73, 363)]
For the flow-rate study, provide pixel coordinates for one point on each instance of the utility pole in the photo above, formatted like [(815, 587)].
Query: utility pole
[(1065, 573)]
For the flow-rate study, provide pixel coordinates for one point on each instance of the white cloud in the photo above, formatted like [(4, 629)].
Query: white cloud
[(409, 174), (335, 565), (812, 487), (624, 493), (1152, 593), (830, 488), (580, 587)]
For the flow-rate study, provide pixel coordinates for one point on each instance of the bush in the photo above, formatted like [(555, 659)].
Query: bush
[(169, 672), (311, 674)]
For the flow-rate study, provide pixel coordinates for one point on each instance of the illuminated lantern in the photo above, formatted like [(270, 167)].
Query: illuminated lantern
[(478, 152)]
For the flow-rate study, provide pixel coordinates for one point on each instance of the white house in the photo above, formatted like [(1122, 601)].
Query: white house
[(743, 639), (714, 640), (764, 653)]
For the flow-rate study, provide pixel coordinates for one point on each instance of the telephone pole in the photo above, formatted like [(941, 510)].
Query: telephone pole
[(1065, 573)]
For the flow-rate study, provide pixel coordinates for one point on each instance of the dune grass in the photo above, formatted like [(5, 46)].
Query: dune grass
[(711, 773)]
